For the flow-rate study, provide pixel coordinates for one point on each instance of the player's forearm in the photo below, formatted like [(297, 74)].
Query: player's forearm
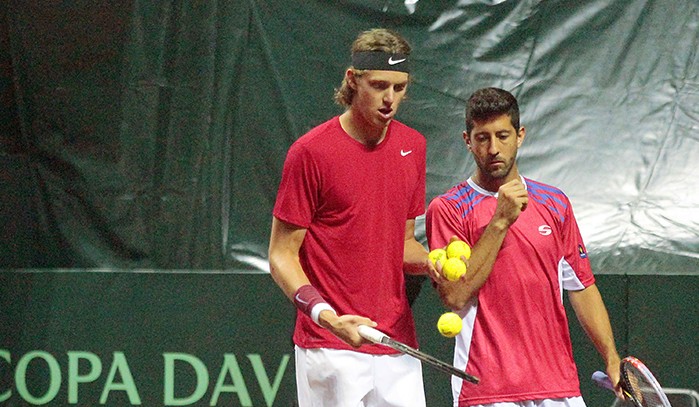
[(594, 319), (457, 294), (415, 260), (286, 271), (284, 265)]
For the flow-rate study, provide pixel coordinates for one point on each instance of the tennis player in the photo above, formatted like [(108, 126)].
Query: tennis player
[(527, 250), (343, 236)]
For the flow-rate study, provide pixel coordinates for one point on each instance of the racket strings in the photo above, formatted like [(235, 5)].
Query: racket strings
[(642, 389)]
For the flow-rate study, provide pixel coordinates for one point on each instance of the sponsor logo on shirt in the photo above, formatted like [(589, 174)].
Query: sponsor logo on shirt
[(545, 230), (582, 252)]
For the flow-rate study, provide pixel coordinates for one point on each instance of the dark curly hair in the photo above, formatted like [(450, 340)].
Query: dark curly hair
[(488, 103)]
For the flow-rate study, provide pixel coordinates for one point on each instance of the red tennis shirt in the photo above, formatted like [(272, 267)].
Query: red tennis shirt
[(515, 335), (354, 202)]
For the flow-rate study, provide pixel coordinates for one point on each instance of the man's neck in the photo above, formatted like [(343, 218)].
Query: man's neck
[(359, 130), (493, 184)]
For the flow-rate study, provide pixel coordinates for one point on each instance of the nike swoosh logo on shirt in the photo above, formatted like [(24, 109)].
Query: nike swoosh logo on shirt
[(391, 61), (404, 153)]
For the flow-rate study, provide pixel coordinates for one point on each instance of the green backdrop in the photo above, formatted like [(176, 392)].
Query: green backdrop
[(141, 146)]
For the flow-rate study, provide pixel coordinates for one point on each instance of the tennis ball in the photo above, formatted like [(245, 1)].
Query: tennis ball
[(453, 269), (449, 324), (458, 248), (438, 254)]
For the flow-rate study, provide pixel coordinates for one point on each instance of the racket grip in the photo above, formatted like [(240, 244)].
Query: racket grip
[(370, 333), (602, 380)]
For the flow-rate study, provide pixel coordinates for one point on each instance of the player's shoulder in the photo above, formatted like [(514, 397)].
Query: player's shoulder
[(406, 131), (455, 196), (459, 190), (319, 132), (317, 141), (540, 188), (549, 197)]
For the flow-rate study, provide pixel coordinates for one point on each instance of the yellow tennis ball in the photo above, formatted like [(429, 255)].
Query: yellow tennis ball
[(458, 248), (449, 324), (438, 254), (453, 269)]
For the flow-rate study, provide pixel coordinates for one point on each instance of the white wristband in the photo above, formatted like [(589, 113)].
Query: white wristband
[(318, 308)]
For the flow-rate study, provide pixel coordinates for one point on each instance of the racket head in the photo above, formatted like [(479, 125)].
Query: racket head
[(640, 385)]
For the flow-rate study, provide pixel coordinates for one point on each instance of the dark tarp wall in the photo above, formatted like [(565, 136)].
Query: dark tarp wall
[(141, 145), (152, 135)]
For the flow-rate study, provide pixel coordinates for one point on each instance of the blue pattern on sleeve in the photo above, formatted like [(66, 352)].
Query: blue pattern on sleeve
[(551, 197), (465, 198)]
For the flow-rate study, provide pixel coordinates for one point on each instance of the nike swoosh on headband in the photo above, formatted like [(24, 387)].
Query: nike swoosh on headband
[(381, 61)]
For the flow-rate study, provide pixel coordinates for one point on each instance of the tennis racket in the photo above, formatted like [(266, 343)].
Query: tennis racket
[(379, 337), (637, 383)]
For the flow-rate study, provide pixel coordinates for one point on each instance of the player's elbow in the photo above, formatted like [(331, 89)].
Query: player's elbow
[(454, 300), (278, 261)]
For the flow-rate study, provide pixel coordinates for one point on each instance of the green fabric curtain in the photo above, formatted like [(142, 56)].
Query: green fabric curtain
[(152, 134)]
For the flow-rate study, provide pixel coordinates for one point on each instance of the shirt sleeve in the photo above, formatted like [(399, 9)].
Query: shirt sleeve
[(297, 197), (580, 273), (442, 221)]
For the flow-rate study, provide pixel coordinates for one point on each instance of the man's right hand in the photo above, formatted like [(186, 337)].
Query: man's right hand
[(345, 327), (512, 200)]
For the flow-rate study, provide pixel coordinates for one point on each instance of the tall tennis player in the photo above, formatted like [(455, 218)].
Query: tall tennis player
[(343, 236)]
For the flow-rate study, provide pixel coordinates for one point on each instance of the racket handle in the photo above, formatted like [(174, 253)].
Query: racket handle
[(370, 333), (602, 380)]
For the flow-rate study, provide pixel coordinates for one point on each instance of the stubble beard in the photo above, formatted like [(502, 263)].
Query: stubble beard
[(496, 176)]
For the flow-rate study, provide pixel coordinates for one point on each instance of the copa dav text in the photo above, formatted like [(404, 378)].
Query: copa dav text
[(38, 377)]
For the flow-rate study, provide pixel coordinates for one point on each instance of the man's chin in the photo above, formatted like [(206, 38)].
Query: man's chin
[(497, 175), (380, 126), (383, 122)]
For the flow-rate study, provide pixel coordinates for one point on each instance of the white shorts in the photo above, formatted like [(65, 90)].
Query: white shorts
[(342, 378), (566, 402)]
